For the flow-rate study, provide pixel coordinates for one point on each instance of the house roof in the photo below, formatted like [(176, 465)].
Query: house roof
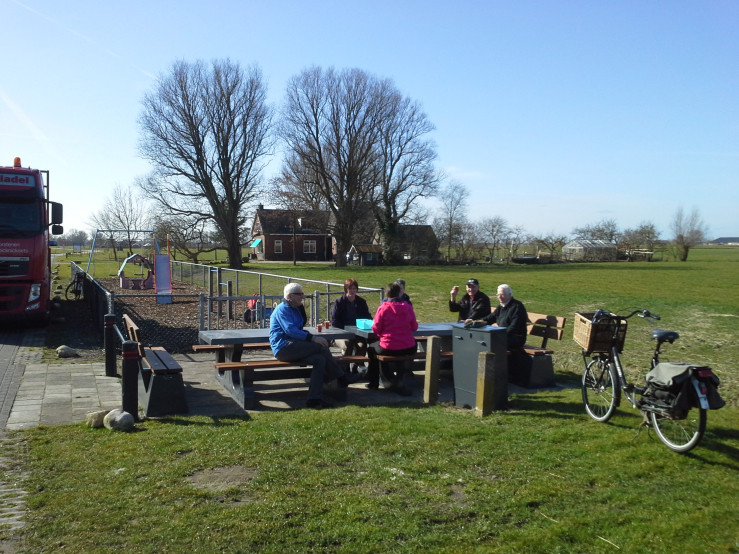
[(364, 248), (277, 222), (590, 244)]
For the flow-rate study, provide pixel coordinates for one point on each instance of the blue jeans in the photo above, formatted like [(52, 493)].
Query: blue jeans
[(311, 353)]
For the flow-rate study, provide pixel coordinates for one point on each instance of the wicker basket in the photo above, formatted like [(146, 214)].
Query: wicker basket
[(597, 337)]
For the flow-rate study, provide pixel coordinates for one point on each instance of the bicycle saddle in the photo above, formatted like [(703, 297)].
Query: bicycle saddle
[(665, 336)]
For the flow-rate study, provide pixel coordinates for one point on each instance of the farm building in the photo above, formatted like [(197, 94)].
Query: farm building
[(582, 250)]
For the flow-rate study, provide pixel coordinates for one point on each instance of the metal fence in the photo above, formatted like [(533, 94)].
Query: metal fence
[(230, 299)]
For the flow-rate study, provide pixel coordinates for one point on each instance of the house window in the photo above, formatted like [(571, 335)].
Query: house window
[(309, 247), (406, 255), (278, 247), (370, 256)]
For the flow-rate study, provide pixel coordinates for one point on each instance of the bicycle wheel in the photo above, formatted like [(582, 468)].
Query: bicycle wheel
[(72, 293), (600, 389), (680, 435)]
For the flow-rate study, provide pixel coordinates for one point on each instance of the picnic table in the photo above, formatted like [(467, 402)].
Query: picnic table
[(234, 339), (238, 377), (424, 330)]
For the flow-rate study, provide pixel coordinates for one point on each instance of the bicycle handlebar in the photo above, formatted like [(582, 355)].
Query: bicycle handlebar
[(641, 313)]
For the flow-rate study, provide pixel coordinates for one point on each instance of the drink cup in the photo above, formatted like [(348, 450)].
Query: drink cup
[(319, 327), (327, 324)]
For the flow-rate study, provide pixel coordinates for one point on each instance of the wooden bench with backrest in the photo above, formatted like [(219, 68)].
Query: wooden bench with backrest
[(537, 369), (161, 388)]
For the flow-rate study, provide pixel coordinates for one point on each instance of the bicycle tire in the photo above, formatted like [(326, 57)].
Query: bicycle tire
[(71, 293), (680, 435), (601, 393)]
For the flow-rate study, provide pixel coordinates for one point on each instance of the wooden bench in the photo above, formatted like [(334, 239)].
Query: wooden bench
[(161, 388), (239, 377), (537, 369)]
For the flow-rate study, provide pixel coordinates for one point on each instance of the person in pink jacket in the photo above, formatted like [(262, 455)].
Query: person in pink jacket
[(394, 324)]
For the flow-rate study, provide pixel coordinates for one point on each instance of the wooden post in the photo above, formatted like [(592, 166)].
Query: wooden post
[(492, 385), (130, 378), (433, 361)]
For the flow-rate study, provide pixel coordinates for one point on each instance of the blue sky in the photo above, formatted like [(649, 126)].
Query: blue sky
[(553, 114)]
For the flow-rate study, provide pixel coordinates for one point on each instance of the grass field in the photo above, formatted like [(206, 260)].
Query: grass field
[(542, 477)]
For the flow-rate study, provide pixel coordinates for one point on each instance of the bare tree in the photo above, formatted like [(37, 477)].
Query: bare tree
[(206, 130), (492, 231), (551, 243), (513, 240), (688, 230), (606, 230), (122, 211), (330, 126), (643, 236), (188, 235), (406, 167), (451, 217)]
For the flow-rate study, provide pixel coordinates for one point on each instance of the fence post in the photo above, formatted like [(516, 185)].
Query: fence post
[(109, 341), (130, 378), (433, 363), (229, 302)]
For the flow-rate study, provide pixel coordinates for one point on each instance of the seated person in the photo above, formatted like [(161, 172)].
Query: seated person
[(290, 343), (394, 325), (473, 305), (346, 311), (511, 314), (403, 296)]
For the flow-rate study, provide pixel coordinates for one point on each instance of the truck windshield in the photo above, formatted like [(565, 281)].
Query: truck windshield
[(20, 218)]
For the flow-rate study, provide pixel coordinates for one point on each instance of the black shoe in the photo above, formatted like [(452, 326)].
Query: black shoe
[(318, 404), (354, 369), (348, 378)]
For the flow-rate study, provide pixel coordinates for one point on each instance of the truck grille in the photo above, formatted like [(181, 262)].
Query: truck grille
[(13, 267)]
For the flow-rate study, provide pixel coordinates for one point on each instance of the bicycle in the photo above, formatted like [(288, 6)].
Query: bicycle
[(75, 289), (676, 396)]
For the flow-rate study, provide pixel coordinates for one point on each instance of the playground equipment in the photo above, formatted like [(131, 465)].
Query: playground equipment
[(158, 276), (136, 283)]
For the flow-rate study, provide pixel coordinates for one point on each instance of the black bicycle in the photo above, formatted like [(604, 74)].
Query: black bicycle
[(675, 397), (75, 289)]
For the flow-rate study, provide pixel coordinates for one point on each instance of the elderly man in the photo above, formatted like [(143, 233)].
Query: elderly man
[(473, 305), (511, 314), (291, 343)]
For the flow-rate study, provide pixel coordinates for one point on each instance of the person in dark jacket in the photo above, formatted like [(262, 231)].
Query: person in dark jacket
[(511, 314), (347, 310), (473, 305)]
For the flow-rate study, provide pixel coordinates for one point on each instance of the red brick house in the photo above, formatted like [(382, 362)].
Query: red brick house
[(275, 233)]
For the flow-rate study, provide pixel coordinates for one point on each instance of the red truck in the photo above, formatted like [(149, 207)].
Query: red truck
[(25, 257)]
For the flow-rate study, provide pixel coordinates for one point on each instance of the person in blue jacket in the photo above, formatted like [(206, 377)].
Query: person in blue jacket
[(291, 343)]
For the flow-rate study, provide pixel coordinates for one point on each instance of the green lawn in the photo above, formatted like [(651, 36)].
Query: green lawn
[(542, 477)]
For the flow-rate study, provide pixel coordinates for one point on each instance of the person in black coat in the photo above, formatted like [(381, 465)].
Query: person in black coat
[(346, 311), (473, 305), (511, 314)]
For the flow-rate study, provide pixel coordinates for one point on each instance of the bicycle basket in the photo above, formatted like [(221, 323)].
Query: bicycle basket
[(597, 337)]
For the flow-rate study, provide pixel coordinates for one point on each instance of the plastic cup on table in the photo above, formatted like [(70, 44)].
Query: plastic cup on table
[(327, 324), (319, 327)]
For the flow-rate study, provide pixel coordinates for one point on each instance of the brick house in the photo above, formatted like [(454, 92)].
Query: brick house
[(274, 232)]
